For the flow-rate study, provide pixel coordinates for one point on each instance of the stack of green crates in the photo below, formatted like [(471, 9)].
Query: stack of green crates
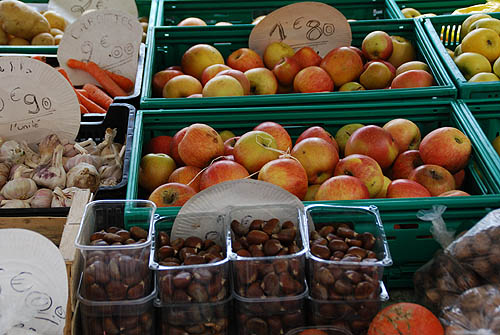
[(430, 6)]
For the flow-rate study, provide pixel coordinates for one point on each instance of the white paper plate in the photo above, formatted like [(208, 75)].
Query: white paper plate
[(33, 283)]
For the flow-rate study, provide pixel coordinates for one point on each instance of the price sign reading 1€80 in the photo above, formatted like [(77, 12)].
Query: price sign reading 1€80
[(35, 101), (312, 24)]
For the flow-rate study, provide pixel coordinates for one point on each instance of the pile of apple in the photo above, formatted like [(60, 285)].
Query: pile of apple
[(360, 162), (478, 56), (382, 62)]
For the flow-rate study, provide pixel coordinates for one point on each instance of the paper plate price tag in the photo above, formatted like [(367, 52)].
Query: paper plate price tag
[(312, 24), (109, 38), (73, 9), (35, 101)]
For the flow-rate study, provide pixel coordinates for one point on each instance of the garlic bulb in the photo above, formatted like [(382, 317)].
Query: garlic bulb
[(47, 148), (20, 170), (53, 175), (69, 150), (87, 147), (42, 198), (14, 204), (19, 188), (32, 158), (83, 176), (12, 152), (111, 173), (4, 173), (63, 198), (83, 158)]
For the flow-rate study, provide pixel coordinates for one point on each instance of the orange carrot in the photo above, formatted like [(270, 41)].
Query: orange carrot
[(86, 102), (100, 75), (83, 92), (83, 109), (126, 84), (65, 74), (40, 58), (98, 96), (76, 64)]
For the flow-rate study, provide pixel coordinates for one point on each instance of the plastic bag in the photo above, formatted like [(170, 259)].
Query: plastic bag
[(488, 7), (476, 312)]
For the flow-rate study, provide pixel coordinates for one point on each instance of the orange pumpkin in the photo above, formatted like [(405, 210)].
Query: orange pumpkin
[(405, 319)]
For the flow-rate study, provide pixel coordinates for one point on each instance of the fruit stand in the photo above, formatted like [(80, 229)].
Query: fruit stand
[(249, 168)]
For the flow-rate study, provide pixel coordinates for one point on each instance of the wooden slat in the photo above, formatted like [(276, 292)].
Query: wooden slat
[(80, 200), (50, 227)]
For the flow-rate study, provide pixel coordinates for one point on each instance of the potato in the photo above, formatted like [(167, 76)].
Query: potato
[(57, 39), (18, 41), (144, 26), (54, 32), (143, 19), (43, 39), (3, 37), (55, 20), (21, 20)]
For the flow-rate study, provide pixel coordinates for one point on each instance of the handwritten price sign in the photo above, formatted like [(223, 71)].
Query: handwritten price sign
[(312, 24), (35, 100), (71, 10)]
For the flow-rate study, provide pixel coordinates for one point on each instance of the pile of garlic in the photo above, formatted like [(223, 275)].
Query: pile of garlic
[(49, 175)]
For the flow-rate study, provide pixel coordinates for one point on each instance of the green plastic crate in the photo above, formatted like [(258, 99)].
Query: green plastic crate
[(446, 27), (171, 12), (169, 44), (430, 6)]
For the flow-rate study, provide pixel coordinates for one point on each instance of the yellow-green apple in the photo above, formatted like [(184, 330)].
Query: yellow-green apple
[(406, 188), (454, 193), (450, 52), (312, 79), (410, 13), (351, 86), (311, 192), (359, 52), (377, 75), (223, 86), (470, 20), (484, 41), (196, 95), (318, 157), (491, 23), (402, 51), (459, 178), (275, 51), (458, 51), (496, 67), (262, 81), (413, 78), (343, 134), (447, 147), (383, 191), (238, 75), (405, 132), (280, 134), (483, 76), (229, 145), (154, 170), (244, 59), (471, 63), (405, 163), (192, 21), (377, 45), (285, 70), (181, 86), (223, 23), (174, 149), (342, 188), (226, 134), (317, 131), (221, 171), (375, 142), (436, 179), (188, 175), (171, 195), (161, 78), (211, 71), (343, 65), (286, 173), (413, 65), (198, 58), (389, 65), (496, 144), (363, 167), (200, 145), (306, 56), (254, 149), (159, 145)]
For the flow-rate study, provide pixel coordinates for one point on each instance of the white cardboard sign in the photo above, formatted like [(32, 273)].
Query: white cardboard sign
[(312, 24), (109, 38), (36, 101), (71, 10)]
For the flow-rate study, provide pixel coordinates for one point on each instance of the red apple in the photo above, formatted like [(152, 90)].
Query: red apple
[(238, 75), (447, 147), (454, 193), (286, 70), (459, 178), (312, 79), (283, 140), (342, 188), (161, 78), (198, 57), (405, 163), (359, 52), (406, 188), (154, 170), (174, 149), (200, 145), (171, 195), (262, 81), (181, 86), (413, 78), (318, 157), (159, 144), (377, 45), (405, 133), (363, 167), (196, 95), (244, 59), (343, 65), (286, 173), (383, 191), (434, 178), (229, 145), (317, 131), (221, 171), (188, 175), (375, 142), (211, 71), (174, 67), (192, 21), (254, 149), (306, 56)]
